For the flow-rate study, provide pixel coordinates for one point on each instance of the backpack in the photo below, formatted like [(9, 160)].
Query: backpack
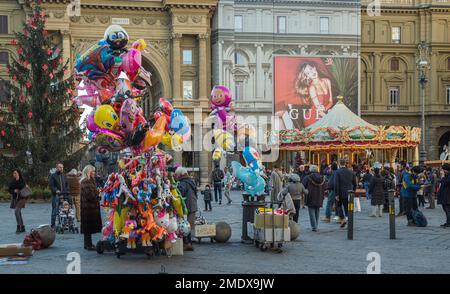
[(419, 218), (217, 175)]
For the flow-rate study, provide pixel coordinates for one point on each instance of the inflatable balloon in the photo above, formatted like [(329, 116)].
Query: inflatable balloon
[(116, 37), (220, 100), (105, 117), (96, 62), (173, 141), (132, 62), (223, 139), (253, 183), (217, 154), (252, 159), (166, 110), (180, 125), (109, 140), (130, 116), (154, 136), (90, 123), (244, 133), (123, 90)]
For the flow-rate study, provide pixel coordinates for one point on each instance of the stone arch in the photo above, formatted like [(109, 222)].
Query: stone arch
[(385, 62), (229, 53), (270, 53), (161, 83), (443, 62), (444, 139)]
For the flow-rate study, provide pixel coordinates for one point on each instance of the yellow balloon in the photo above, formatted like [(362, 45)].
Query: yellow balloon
[(217, 154), (172, 141), (155, 135), (105, 117), (177, 202), (223, 139)]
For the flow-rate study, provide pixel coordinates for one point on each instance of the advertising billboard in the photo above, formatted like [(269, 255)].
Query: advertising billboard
[(307, 87)]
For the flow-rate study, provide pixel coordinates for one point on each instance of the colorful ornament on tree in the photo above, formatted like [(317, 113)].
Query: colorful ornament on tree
[(28, 84), (30, 115), (3, 133), (45, 67), (51, 75), (22, 98)]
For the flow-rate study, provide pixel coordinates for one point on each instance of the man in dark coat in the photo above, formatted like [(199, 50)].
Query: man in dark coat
[(58, 185), (344, 181), (430, 185), (444, 194), (188, 190), (400, 174)]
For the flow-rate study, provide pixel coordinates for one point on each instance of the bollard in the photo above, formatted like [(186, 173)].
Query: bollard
[(391, 214), (351, 194)]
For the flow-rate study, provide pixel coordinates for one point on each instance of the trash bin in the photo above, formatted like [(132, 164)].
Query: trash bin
[(249, 204)]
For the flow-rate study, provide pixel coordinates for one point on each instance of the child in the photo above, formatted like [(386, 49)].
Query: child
[(207, 196)]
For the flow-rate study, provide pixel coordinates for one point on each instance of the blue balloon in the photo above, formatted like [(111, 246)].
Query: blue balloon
[(253, 183), (179, 123), (252, 157)]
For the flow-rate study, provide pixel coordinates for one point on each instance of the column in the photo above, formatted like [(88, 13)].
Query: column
[(176, 66), (65, 34), (376, 76), (259, 71), (203, 66), (205, 166), (416, 155), (433, 77), (220, 61)]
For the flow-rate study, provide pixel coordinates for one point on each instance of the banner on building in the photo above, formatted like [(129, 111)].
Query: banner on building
[(305, 88)]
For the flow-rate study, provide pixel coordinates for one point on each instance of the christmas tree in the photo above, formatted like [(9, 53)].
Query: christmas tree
[(40, 125)]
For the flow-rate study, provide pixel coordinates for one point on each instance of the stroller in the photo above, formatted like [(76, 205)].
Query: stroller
[(66, 215)]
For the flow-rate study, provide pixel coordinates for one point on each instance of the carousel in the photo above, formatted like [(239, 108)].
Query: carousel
[(343, 134)]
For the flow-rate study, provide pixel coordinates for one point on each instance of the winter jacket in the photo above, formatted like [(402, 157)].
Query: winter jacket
[(344, 181), (376, 189), (315, 184), (409, 186), (207, 195), (188, 191), (443, 195), (58, 182), (367, 177), (295, 190), (74, 185), (277, 184), (16, 200), (330, 184), (91, 221), (430, 184)]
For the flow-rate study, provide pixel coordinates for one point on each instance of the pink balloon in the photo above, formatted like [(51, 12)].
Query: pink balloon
[(90, 123), (131, 63)]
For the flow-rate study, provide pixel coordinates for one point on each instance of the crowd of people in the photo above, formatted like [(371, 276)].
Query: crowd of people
[(307, 186)]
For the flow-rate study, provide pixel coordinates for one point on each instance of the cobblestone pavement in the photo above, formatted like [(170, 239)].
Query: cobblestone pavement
[(416, 250)]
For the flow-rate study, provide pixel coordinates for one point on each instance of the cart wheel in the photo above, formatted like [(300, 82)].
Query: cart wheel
[(99, 247)]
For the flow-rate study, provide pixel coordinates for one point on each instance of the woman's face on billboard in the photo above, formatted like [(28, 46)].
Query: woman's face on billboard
[(310, 72)]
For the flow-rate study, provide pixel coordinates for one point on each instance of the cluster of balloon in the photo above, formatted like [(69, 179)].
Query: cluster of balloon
[(112, 80), (177, 129), (225, 124)]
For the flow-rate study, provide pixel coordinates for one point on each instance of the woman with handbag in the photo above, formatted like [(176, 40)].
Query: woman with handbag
[(17, 201)]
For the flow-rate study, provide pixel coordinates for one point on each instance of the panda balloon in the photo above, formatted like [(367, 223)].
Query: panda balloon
[(116, 37)]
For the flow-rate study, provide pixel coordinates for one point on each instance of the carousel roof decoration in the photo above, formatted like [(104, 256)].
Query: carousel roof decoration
[(341, 129)]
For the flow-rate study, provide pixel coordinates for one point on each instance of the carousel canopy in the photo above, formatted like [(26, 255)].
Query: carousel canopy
[(340, 117), (341, 129)]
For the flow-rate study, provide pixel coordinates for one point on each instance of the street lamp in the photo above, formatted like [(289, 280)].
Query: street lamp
[(423, 65)]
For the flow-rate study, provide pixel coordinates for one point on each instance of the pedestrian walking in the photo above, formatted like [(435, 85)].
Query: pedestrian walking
[(58, 185), (276, 183), (345, 181), (315, 185), (409, 190), (188, 191), (430, 187), (443, 195), (228, 183), (73, 181), (331, 198), (217, 177), (91, 221), (367, 177), (207, 197), (17, 201), (376, 190), (297, 192)]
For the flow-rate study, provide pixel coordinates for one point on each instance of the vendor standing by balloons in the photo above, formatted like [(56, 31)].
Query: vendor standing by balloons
[(188, 191), (91, 221)]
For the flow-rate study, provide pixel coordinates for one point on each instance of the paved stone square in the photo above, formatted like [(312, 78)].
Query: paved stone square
[(416, 250)]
